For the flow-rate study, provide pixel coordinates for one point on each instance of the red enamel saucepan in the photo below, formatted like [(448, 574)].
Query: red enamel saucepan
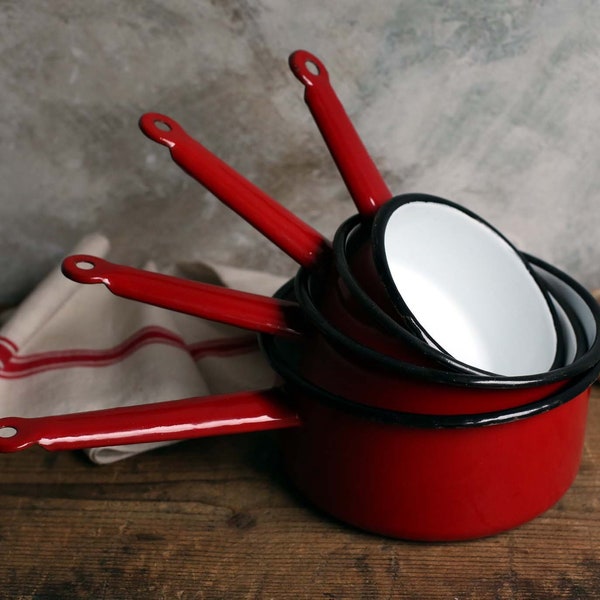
[(420, 477), (445, 270), (254, 312), (497, 317), (341, 364), (428, 477)]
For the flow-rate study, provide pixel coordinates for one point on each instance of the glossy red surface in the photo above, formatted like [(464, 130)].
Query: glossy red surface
[(213, 302), (340, 371), (340, 307), (363, 180), (297, 239), (434, 484), (175, 420)]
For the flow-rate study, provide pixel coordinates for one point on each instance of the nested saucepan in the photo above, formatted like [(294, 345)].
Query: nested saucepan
[(459, 284), (360, 293), (455, 281), (419, 477), (342, 365)]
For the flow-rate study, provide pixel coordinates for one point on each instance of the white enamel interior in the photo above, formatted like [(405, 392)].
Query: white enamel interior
[(469, 290)]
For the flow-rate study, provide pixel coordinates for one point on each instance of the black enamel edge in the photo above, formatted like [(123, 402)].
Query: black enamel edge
[(562, 299), (276, 355)]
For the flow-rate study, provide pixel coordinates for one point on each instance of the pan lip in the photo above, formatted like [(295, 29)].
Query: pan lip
[(479, 380), (378, 229), (291, 377), (576, 326)]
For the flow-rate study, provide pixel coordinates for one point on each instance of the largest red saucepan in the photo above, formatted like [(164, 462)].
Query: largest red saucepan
[(432, 477), (419, 477)]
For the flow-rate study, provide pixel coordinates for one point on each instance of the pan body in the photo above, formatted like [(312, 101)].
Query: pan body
[(425, 477)]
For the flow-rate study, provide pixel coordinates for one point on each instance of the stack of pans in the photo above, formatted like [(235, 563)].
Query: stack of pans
[(434, 381)]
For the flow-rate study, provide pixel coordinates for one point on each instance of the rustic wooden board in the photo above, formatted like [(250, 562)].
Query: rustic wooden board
[(215, 518)]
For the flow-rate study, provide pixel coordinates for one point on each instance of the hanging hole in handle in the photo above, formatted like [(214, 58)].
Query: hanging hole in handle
[(85, 265), (162, 125), (312, 67), (7, 431)]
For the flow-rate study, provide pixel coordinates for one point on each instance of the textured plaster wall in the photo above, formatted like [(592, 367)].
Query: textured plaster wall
[(493, 104)]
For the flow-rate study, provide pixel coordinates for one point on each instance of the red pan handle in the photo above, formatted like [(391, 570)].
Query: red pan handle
[(213, 302), (364, 182), (297, 239), (163, 421)]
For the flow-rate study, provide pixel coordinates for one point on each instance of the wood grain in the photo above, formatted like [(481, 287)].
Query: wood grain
[(216, 519)]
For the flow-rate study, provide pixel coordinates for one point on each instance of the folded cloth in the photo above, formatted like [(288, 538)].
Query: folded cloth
[(71, 348)]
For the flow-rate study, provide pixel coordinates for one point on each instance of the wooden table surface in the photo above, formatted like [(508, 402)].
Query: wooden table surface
[(215, 518)]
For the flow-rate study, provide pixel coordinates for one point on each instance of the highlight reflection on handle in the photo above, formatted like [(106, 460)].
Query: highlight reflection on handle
[(195, 417), (297, 239), (363, 180), (212, 302)]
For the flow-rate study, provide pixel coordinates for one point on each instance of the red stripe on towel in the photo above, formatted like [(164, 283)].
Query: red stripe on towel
[(4, 341), (14, 366)]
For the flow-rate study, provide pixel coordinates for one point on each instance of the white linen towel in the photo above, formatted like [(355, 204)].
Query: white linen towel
[(71, 347)]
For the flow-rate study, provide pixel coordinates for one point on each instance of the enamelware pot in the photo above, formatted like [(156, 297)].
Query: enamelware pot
[(366, 328), (338, 363), (362, 294), (456, 314), (370, 324), (431, 477), (443, 267), (208, 301)]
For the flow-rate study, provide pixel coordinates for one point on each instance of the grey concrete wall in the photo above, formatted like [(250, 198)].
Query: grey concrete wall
[(493, 104)]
